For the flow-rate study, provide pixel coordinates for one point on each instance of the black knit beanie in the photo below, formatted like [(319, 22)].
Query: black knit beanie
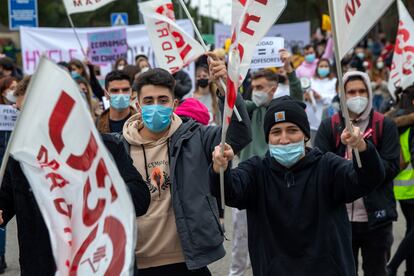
[(286, 109)]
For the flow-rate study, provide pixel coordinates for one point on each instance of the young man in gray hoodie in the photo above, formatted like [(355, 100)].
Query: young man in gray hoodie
[(181, 233), (371, 216)]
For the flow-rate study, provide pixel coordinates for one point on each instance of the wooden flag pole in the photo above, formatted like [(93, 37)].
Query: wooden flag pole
[(342, 95)]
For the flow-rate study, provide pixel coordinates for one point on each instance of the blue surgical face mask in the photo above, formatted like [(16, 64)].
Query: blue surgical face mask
[(361, 55), (75, 75), (310, 58), (120, 101), (323, 72), (287, 155), (156, 117)]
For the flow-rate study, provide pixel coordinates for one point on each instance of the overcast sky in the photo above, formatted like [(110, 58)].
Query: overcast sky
[(221, 9)]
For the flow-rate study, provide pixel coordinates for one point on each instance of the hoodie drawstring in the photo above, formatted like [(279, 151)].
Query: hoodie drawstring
[(145, 157)]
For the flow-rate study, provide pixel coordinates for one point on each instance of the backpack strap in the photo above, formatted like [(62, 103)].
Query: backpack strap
[(377, 127), (335, 123)]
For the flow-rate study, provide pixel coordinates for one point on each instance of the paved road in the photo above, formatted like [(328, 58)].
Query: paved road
[(219, 268)]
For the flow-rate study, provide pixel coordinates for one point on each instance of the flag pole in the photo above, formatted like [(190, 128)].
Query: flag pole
[(6, 155), (342, 95), (76, 33), (200, 38), (224, 86)]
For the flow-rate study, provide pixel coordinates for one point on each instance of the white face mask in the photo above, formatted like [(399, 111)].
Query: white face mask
[(121, 67), (380, 64), (357, 104), (260, 98), (10, 96)]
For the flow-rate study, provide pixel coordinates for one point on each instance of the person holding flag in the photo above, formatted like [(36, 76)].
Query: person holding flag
[(295, 196), (371, 216), (181, 233), (17, 199)]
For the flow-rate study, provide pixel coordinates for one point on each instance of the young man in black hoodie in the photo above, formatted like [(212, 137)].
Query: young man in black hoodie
[(295, 196), (371, 216)]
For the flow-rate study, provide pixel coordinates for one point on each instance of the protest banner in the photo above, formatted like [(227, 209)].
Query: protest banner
[(402, 68), (8, 117), (108, 46), (76, 6), (354, 19), (295, 34), (48, 41), (267, 53), (173, 47), (82, 197)]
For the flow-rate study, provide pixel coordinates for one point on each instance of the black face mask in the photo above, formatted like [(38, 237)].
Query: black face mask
[(203, 83), (282, 79)]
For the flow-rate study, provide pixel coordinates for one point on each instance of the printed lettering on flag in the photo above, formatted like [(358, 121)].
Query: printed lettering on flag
[(251, 20), (402, 68), (82, 197), (354, 19), (76, 6), (173, 47), (251, 25)]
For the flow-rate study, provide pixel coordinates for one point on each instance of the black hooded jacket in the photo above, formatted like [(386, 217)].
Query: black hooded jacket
[(297, 219)]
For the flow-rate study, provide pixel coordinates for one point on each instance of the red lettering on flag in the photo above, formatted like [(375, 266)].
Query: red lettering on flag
[(58, 119), (245, 27), (351, 10)]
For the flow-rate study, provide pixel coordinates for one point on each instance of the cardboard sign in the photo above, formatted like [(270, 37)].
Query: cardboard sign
[(267, 53), (8, 117), (107, 47)]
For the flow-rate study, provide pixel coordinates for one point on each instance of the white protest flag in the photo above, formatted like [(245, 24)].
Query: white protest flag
[(76, 6), (402, 68), (251, 20), (173, 47), (82, 197), (354, 19)]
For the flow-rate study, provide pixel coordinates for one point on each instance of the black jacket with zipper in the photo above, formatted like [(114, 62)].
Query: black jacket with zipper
[(297, 219), (380, 203), (17, 199), (195, 208)]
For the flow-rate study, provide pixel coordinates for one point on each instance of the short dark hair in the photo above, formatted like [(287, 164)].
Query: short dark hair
[(158, 77), (7, 63), (355, 78), (269, 75), (22, 86), (140, 56), (116, 76), (307, 47)]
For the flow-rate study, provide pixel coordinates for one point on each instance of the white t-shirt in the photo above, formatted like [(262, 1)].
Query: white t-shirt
[(326, 88)]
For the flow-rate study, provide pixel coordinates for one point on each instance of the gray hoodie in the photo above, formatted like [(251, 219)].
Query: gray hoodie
[(356, 210)]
